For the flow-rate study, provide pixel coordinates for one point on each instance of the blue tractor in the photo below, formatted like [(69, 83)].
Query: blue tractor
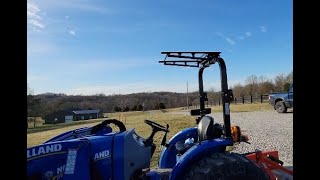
[(197, 152)]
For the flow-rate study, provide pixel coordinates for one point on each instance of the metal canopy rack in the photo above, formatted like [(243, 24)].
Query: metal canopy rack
[(191, 59)]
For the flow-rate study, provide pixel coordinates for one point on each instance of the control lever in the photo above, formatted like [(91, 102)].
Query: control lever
[(163, 143)]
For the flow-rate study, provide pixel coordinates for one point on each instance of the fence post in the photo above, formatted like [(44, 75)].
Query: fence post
[(251, 99), (261, 98), (219, 102), (235, 100), (242, 99)]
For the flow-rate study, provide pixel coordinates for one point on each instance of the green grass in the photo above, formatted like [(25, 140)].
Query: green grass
[(135, 120)]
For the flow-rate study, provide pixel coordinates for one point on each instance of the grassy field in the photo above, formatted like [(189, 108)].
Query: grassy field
[(135, 120)]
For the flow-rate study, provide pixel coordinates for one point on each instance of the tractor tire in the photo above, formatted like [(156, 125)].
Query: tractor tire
[(280, 107), (225, 166)]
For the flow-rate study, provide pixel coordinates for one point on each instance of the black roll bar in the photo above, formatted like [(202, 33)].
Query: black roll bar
[(204, 60)]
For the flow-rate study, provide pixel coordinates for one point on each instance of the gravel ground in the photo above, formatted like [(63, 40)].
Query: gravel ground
[(267, 130)]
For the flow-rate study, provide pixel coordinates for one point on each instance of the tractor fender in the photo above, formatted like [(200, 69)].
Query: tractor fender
[(168, 155), (196, 152)]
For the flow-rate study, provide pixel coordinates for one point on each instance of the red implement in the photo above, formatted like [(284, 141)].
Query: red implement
[(269, 161)]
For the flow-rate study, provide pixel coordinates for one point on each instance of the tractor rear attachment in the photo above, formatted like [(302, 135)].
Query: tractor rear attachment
[(269, 161)]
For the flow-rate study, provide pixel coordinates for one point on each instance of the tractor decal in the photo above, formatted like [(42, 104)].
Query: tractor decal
[(71, 161), (54, 176), (102, 155), (37, 151), (50, 154)]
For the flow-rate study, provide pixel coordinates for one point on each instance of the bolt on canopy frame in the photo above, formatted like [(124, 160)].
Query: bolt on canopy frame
[(203, 60)]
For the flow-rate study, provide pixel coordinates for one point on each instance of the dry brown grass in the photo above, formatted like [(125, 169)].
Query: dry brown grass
[(245, 107), (135, 120)]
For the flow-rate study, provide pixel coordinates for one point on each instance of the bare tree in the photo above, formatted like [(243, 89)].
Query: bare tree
[(86, 104), (122, 101), (289, 77), (280, 81), (238, 90), (29, 90), (265, 85), (30, 103), (34, 109), (252, 84), (213, 94)]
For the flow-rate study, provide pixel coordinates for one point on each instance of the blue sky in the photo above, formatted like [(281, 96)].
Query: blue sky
[(102, 46)]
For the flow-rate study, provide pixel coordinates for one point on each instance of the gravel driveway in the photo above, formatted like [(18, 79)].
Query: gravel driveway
[(267, 130)]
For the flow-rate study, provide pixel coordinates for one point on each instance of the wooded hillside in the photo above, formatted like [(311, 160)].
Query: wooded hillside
[(43, 104)]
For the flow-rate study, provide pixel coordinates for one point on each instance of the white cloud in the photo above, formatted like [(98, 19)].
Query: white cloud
[(33, 17), (32, 11), (228, 39), (88, 6), (99, 65), (36, 24), (36, 47), (132, 88), (241, 38), (248, 34), (31, 78), (263, 29), (72, 32), (92, 8)]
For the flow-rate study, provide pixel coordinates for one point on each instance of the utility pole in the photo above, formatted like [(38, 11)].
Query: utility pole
[(187, 97), (143, 106)]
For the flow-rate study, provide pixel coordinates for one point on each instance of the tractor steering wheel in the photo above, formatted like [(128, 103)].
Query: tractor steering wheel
[(155, 126)]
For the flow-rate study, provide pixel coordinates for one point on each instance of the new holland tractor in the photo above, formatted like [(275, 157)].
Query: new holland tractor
[(198, 152)]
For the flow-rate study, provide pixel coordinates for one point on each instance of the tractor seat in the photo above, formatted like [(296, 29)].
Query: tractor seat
[(205, 128), (208, 130)]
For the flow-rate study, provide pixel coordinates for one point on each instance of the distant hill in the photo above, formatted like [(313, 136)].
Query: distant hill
[(51, 102)]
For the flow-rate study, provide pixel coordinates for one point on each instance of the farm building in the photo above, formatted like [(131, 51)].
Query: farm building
[(72, 115)]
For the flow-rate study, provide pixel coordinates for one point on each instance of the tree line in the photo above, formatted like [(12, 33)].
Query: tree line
[(42, 104)]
